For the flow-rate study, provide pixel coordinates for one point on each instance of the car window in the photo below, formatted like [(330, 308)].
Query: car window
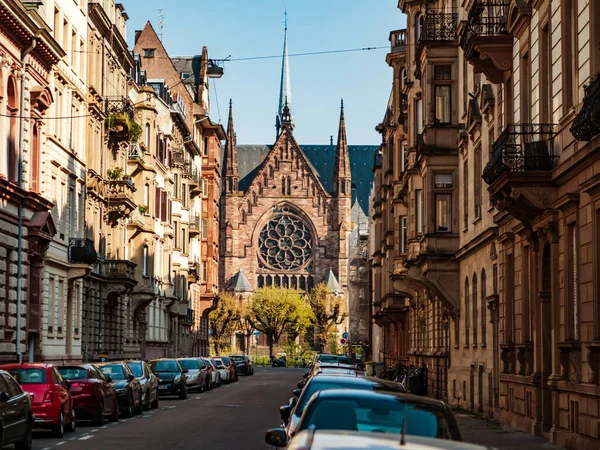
[(165, 366), (189, 364), (13, 389), (317, 384), (375, 415), (202, 363), (29, 375), (99, 374), (136, 368), (74, 373), (56, 376), (4, 386), (116, 372)]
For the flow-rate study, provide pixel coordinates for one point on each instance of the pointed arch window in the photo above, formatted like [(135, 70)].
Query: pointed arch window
[(35, 158)]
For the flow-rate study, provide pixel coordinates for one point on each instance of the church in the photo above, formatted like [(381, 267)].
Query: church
[(286, 209)]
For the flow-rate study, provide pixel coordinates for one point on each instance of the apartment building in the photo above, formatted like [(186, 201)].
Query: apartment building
[(485, 254)]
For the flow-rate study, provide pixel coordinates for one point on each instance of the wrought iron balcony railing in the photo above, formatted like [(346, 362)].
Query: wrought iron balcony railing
[(521, 148), (437, 27), (398, 41), (486, 18), (587, 123), (81, 251)]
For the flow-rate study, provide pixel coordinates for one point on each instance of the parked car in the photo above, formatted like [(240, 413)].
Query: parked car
[(381, 412), (291, 413), (210, 370), (196, 376), (223, 370), (148, 383), (233, 376), (344, 440), (16, 415), (243, 364), (129, 390), (94, 397), (51, 402), (215, 374), (171, 377)]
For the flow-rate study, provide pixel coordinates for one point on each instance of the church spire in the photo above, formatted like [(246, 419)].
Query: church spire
[(231, 163), (285, 92), (342, 159)]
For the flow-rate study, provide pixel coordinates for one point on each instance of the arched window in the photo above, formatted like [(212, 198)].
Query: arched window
[(147, 136), (35, 159), (466, 312), (146, 195), (483, 309), (474, 306), (271, 172), (145, 261), (419, 26), (283, 188), (12, 150)]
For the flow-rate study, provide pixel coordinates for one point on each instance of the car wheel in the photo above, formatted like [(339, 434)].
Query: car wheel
[(130, 405), (26, 441), (58, 430), (146, 406), (115, 415), (99, 420), (139, 407), (202, 388), (73, 424), (154, 404), (182, 393)]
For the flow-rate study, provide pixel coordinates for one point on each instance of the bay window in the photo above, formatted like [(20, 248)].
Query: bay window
[(443, 94), (443, 202)]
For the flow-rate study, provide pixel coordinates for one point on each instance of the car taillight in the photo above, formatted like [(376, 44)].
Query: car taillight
[(47, 397), (83, 386)]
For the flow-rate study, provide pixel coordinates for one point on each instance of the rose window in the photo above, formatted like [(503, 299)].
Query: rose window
[(285, 243)]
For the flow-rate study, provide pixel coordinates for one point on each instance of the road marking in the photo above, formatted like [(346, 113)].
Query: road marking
[(95, 430), (46, 448), (105, 426), (61, 443), (198, 398), (86, 437), (73, 438)]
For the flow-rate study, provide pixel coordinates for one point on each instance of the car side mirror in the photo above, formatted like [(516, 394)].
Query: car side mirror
[(301, 384), (285, 412), (108, 378), (276, 437), (68, 384), (185, 370), (4, 397), (297, 392), (131, 377), (305, 375)]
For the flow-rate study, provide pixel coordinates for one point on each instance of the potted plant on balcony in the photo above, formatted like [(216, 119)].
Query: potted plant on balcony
[(114, 174), (122, 127), (142, 209)]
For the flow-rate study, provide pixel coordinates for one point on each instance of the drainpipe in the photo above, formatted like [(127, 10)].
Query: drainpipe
[(27, 51)]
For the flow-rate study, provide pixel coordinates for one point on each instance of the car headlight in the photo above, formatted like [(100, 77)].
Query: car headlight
[(121, 390), (177, 379)]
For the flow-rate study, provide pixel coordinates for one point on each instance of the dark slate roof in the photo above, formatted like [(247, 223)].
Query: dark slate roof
[(322, 158)]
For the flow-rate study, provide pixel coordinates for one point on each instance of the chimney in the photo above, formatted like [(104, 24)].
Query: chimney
[(137, 36)]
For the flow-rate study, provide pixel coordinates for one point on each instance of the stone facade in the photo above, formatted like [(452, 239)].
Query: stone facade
[(484, 211)]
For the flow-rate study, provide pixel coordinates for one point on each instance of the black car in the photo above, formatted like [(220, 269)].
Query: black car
[(129, 390), (369, 411), (242, 364), (148, 382), (16, 418), (171, 377)]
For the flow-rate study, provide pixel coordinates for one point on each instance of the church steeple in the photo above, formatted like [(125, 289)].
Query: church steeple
[(341, 172), (231, 162), (285, 92)]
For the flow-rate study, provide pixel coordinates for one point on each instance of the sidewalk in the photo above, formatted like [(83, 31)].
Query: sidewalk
[(482, 431)]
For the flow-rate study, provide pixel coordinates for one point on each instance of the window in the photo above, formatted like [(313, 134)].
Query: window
[(149, 53), (574, 279), (474, 304), (205, 146), (403, 231), (76, 304), (466, 312), (183, 241), (51, 304), (176, 234), (145, 261), (175, 185), (35, 159), (477, 183), (443, 181), (204, 229), (184, 195), (466, 195), (443, 202), (443, 94), (204, 187), (483, 309), (146, 195), (419, 115), (204, 272), (60, 306), (403, 156), (419, 209), (147, 136), (185, 75)]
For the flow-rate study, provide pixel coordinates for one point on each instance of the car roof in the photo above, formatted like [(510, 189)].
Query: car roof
[(349, 440), (339, 371), (27, 365), (111, 363), (355, 379), (345, 394)]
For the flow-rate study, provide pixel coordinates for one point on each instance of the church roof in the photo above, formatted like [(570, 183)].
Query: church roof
[(333, 284), (240, 283), (322, 160)]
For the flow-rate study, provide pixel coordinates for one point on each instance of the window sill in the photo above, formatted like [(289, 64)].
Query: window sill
[(465, 229), (467, 346), (476, 219)]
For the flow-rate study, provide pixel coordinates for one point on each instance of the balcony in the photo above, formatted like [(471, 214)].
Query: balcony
[(485, 39), (81, 251), (519, 173), (190, 171), (121, 201), (194, 227), (438, 28), (587, 123), (177, 158), (398, 41)]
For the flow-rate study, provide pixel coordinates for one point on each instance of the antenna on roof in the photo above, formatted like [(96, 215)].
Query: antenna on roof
[(161, 22)]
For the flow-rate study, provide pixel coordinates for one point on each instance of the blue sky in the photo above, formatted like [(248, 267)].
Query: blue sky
[(243, 28)]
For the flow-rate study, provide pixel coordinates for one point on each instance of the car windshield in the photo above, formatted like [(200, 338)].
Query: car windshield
[(116, 372), (136, 368), (189, 364), (73, 373), (382, 414), (225, 360), (335, 359), (165, 366), (238, 358), (318, 384), (29, 376), (218, 363)]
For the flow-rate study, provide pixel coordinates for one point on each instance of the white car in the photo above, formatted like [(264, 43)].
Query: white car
[(223, 370), (215, 380)]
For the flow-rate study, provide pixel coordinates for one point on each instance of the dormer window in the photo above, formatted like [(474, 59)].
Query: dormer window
[(148, 53), (185, 75)]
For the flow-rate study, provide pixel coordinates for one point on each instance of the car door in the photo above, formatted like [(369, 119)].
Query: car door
[(110, 394), (7, 412), (60, 389), (19, 402), (152, 381)]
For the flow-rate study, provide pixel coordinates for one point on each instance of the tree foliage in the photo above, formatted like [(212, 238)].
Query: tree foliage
[(224, 320), (275, 310), (329, 310)]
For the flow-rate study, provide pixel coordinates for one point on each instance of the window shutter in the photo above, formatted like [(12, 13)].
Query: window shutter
[(163, 206), (170, 211), (156, 202)]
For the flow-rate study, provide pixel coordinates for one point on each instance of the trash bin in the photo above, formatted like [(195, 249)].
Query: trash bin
[(417, 382), (379, 369), (370, 368)]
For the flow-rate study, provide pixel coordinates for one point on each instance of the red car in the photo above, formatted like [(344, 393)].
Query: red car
[(94, 397), (209, 373), (52, 404)]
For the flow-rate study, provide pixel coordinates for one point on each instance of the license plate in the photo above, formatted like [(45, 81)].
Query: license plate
[(162, 388)]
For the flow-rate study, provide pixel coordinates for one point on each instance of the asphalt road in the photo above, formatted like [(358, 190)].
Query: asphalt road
[(230, 417)]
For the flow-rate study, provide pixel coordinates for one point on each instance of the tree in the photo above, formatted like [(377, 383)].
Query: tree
[(224, 320), (328, 310), (246, 324), (275, 310)]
